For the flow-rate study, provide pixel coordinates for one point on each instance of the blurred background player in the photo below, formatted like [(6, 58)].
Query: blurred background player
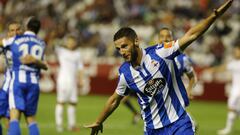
[(14, 28), (27, 54), (233, 67), (184, 63), (69, 77)]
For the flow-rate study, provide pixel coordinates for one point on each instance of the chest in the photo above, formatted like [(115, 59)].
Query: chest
[(150, 78), (70, 57)]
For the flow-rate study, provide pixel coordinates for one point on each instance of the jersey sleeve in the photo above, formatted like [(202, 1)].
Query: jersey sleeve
[(168, 50), (122, 88), (188, 65), (7, 42)]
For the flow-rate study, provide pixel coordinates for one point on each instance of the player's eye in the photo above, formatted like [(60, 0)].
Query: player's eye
[(124, 46)]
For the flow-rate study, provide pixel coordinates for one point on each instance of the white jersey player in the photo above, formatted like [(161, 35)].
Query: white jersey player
[(69, 76), (234, 95)]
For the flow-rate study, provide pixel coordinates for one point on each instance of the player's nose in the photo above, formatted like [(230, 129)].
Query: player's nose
[(122, 52)]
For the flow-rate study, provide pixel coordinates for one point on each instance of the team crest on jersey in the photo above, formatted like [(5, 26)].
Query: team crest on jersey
[(154, 63), (153, 86)]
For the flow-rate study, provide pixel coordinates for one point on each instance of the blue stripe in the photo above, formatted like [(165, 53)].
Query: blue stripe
[(181, 86), (142, 75), (163, 113), (180, 60), (128, 76), (28, 77), (16, 73), (145, 68), (173, 55), (167, 75), (160, 104)]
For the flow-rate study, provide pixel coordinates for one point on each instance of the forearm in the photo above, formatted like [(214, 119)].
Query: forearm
[(110, 106), (205, 24), (40, 64), (201, 27), (191, 84), (192, 80), (217, 69)]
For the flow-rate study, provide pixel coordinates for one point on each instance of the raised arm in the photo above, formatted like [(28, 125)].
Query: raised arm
[(201, 27), (112, 103)]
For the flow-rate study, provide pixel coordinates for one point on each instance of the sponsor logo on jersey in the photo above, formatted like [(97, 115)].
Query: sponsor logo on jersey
[(154, 86)]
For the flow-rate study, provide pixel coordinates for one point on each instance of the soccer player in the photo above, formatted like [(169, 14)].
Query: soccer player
[(27, 54), (151, 73), (70, 75), (234, 95), (14, 28), (184, 63)]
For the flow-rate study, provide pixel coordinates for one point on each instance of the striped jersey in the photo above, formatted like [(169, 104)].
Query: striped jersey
[(157, 83), (184, 64), (21, 45), (8, 60)]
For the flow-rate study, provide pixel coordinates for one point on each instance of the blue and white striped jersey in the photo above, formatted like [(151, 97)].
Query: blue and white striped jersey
[(21, 45), (184, 64), (8, 60), (161, 93)]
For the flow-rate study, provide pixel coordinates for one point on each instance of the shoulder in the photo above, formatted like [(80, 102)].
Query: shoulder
[(153, 48), (124, 67), (8, 41)]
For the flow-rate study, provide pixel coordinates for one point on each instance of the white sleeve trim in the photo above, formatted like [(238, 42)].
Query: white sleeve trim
[(122, 86)]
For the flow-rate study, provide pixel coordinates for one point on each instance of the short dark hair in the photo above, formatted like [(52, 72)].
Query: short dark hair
[(125, 32), (34, 25), (166, 28), (12, 22)]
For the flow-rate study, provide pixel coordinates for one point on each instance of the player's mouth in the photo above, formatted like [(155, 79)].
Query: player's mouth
[(126, 57)]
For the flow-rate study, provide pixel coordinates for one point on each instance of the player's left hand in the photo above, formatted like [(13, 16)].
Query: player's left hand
[(28, 59), (95, 128)]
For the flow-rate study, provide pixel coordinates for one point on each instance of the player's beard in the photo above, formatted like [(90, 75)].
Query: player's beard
[(134, 54)]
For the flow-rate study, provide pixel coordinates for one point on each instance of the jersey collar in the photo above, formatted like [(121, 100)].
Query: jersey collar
[(29, 33)]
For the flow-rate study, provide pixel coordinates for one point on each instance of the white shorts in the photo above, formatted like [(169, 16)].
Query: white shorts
[(234, 102), (67, 92)]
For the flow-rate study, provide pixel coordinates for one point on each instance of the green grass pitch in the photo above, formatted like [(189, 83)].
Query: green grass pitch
[(210, 116)]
